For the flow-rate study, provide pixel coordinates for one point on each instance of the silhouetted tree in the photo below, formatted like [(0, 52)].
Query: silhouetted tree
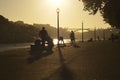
[(110, 10), (15, 32), (18, 32)]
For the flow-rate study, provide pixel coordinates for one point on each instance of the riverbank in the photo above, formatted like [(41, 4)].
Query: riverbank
[(90, 61), (12, 46)]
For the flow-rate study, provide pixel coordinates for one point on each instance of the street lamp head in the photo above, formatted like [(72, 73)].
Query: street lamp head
[(57, 10)]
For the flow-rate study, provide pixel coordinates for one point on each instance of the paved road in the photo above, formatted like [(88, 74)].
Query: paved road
[(92, 61)]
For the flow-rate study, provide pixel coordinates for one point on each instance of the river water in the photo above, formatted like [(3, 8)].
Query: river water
[(5, 47)]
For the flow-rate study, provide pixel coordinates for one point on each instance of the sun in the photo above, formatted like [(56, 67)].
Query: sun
[(57, 3)]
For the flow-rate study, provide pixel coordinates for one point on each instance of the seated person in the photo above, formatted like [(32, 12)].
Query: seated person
[(61, 39), (38, 42), (50, 44)]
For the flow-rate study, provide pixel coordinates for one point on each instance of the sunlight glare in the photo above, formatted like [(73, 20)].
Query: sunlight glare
[(55, 41), (57, 3)]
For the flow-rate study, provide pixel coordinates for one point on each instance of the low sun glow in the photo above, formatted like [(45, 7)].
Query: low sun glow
[(57, 3)]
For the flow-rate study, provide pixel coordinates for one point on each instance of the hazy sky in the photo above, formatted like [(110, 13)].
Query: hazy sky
[(44, 12)]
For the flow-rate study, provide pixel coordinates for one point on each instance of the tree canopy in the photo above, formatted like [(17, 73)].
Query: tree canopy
[(110, 10)]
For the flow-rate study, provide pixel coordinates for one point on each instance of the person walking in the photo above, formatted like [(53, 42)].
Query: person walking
[(72, 38)]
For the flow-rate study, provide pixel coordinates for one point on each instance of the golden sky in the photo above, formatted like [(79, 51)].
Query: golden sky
[(44, 12)]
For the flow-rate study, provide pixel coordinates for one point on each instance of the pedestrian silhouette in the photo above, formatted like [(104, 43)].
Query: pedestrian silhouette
[(50, 44), (72, 38), (43, 35), (112, 37), (61, 40), (98, 38)]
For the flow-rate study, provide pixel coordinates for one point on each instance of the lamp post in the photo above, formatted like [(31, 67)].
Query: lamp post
[(103, 34), (82, 32), (59, 50), (58, 10), (95, 34)]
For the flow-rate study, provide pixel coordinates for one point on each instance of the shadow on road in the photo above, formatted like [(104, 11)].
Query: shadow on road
[(63, 72), (37, 55)]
